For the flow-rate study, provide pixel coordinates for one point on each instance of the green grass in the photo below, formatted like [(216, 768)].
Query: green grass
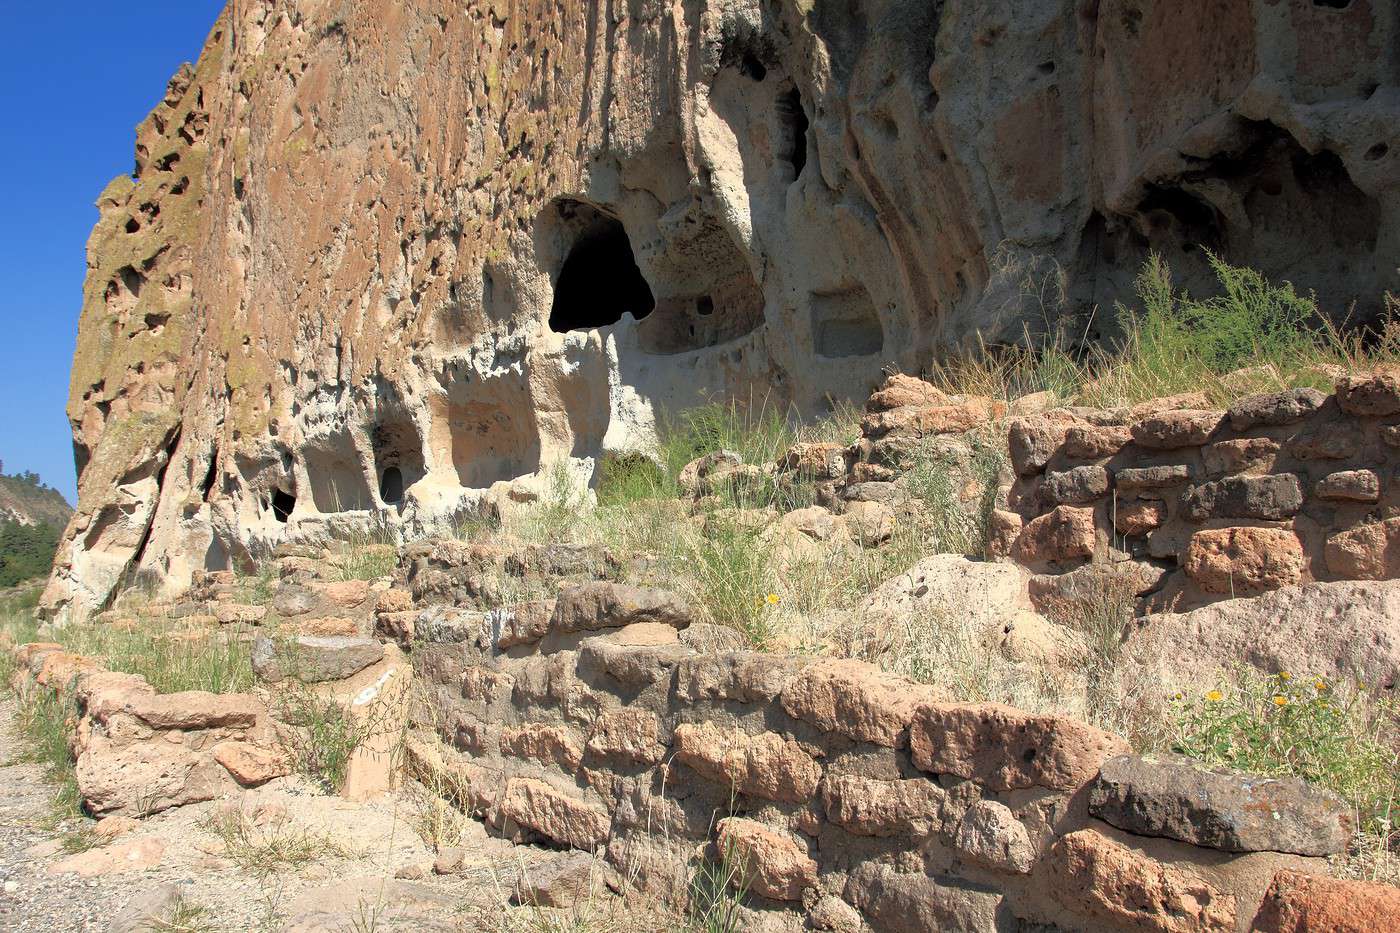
[(325, 737), (269, 848), (1299, 725), (171, 659), (1337, 736), (1173, 342), (43, 717), (717, 892)]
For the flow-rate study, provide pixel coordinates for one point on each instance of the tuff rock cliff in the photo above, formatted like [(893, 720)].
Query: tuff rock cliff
[(378, 257)]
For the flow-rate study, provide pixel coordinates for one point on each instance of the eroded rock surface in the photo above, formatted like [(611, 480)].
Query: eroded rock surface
[(375, 261)]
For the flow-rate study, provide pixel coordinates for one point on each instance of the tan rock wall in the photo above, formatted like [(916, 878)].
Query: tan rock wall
[(834, 787), (326, 294)]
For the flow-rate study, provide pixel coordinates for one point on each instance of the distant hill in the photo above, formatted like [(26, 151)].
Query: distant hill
[(32, 516)]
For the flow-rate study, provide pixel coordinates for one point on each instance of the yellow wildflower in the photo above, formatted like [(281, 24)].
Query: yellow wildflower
[(1280, 700), (774, 599), (1320, 684), (1284, 675), (1215, 696)]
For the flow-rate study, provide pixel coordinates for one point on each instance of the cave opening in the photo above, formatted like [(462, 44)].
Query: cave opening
[(391, 486), (792, 116), (599, 281), (283, 504)]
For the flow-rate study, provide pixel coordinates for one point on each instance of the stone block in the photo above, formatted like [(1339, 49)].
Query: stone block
[(1244, 561), (1175, 797)]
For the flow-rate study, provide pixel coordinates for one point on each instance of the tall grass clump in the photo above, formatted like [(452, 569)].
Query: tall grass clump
[(1252, 335), (171, 659)]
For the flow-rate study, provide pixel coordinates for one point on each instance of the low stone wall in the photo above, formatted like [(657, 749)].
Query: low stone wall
[(606, 721), (1279, 490), (138, 752)]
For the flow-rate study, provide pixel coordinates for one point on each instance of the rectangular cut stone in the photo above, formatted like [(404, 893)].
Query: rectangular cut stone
[(1177, 798), (764, 765), (553, 814), (855, 700), (1003, 748), (882, 808), (1095, 875)]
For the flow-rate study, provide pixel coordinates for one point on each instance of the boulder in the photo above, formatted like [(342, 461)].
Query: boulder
[(913, 902), (869, 807), (1337, 631), (1367, 552), (1275, 409), (1078, 486), (1004, 749), (991, 835), (1178, 798), (553, 814), (1267, 498), (1244, 561), (901, 391), (563, 880), (602, 605), (1369, 394), (853, 699), (1095, 875), (764, 765), (1063, 535), (1350, 486), (1172, 430)]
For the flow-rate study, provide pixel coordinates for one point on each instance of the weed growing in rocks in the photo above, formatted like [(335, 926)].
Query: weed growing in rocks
[(324, 736), (1254, 336), (271, 847), (1333, 735), (717, 892), (43, 719), (171, 657)]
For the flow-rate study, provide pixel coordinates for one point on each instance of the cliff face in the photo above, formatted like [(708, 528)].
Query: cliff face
[(379, 256)]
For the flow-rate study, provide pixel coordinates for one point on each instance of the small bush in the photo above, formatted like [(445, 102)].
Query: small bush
[(325, 737), (1299, 726)]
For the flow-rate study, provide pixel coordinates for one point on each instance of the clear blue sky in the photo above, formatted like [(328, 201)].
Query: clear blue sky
[(75, 79)]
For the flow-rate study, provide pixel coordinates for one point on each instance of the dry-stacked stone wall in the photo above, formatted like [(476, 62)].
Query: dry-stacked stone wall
[(606, 721), (1279, 490)]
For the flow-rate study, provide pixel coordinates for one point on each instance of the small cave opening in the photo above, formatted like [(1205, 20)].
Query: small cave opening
[(206, 488), (391, 486), (283, 504), (398, 457), (792, 118), (599, 281)]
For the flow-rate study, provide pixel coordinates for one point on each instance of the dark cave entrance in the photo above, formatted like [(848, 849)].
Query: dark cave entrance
[(283, 504), (391, 486), (599, 281)]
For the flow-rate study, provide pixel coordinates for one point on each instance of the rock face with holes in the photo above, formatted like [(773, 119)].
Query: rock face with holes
[(377, 259)]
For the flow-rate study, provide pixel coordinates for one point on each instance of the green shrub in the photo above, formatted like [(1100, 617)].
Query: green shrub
[(1300, 726), (26, 551), (326, 735)]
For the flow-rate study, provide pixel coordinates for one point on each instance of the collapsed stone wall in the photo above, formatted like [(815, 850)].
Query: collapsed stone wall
[(1197, 505), (608, 721), (377, 257)]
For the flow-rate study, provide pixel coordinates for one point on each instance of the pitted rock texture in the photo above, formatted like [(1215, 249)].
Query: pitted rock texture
[(376, 259)]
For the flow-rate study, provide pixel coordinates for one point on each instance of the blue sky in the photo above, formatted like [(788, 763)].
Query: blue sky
[(75, 79)]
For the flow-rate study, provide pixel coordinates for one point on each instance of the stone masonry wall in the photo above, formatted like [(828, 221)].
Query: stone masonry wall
[(1279, 490), (606, 721)]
